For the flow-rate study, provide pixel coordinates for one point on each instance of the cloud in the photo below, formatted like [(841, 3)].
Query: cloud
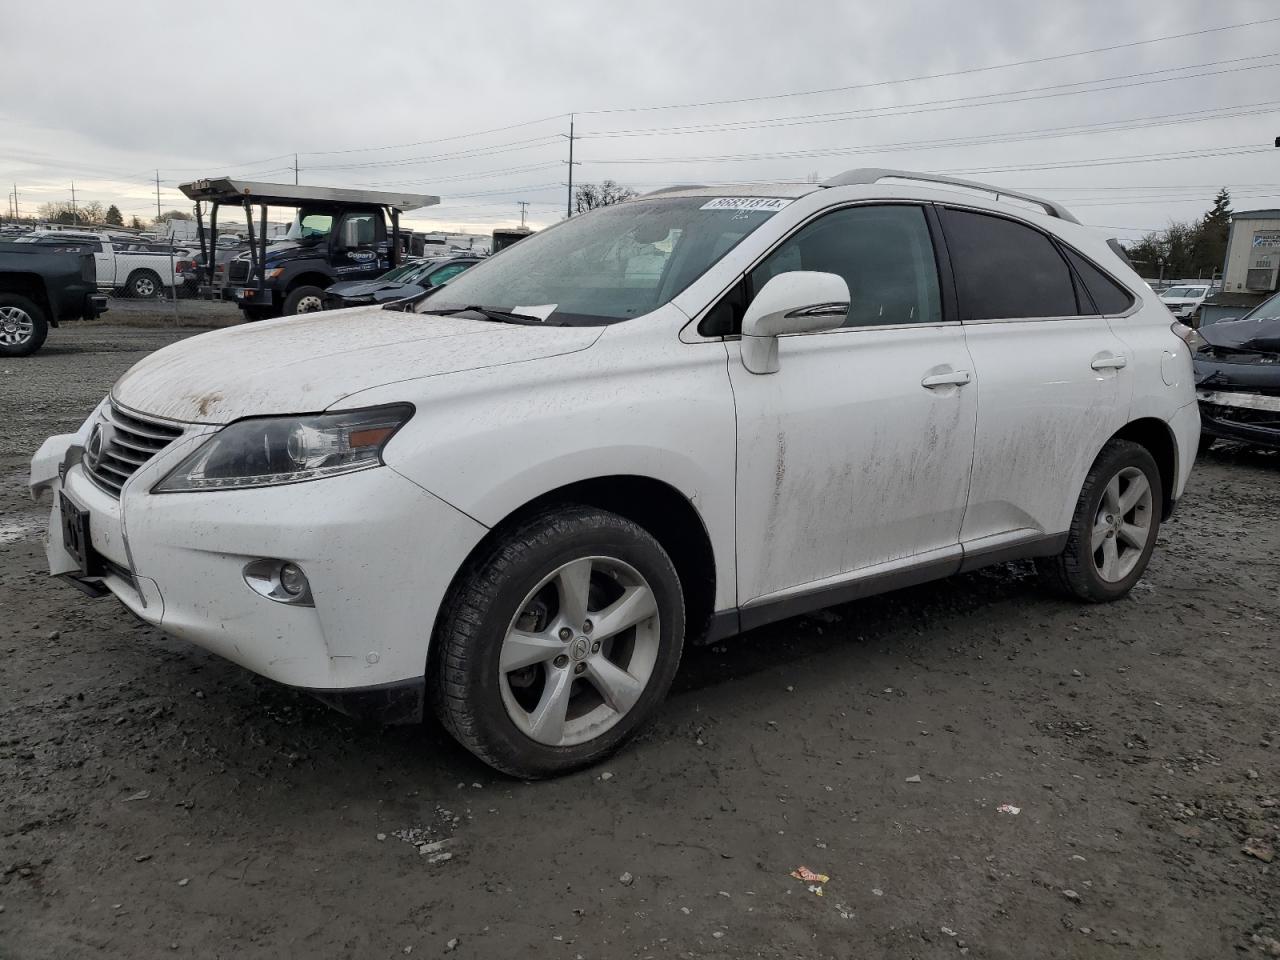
[(108, 94)]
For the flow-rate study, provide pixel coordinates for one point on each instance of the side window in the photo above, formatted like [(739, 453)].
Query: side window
[(885, 255), (1107, 295), (359, 231), (1005, 269)]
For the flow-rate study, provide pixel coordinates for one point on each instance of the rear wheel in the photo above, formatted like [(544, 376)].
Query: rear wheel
[(306, 299), (558, 645), (144, 285), (23, 326), (1114, 528), (1206, 442)]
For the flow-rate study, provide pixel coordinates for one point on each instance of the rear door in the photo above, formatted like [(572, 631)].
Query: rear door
[(854, 457), (1048, 371)]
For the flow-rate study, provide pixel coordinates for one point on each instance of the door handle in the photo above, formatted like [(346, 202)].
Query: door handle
[(957, 378), (1109, 363)]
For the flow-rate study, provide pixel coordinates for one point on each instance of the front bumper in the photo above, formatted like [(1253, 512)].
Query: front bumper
[(1245, 417), (379, 552), (249, 296)]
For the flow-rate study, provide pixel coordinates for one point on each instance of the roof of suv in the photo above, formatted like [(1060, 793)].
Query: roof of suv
[(867, 176)]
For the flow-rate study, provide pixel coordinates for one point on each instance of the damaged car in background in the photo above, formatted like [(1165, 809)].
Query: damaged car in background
[(1237, 372)]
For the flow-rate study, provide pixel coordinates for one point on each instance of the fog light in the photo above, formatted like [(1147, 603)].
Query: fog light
[(293, 579), (279, 580)]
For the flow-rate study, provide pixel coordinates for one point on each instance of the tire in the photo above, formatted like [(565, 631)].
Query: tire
[(23, 326), (1206, 442), (1124, 536), (255, 314), (506, 608), (144, 285), (305, 299)]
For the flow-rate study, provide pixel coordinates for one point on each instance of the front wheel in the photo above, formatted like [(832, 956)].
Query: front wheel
[(304, 299), (558, 644), (1114, 528)]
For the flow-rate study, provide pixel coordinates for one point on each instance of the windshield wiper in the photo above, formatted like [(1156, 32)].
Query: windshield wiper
[(499, 316)]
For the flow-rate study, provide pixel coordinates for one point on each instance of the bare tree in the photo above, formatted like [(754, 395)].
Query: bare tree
[(604, 194)]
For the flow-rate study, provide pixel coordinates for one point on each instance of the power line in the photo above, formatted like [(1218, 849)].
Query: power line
[(1014, 136), (951, 103), (461, 154), (1233, 151), (937, 76), (423, 143)]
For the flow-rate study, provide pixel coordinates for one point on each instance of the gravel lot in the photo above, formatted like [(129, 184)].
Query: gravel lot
[(158, 801)]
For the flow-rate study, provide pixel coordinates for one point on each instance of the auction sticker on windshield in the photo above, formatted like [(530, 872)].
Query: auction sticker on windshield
[(769, 204)]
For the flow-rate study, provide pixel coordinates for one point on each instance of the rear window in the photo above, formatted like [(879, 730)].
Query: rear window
[(1005, 270), (1107, 295)]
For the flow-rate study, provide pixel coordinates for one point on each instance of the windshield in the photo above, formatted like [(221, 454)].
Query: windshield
[(611, 264), (1184, 293), (404, 272), (1266, 310), (310, 227)]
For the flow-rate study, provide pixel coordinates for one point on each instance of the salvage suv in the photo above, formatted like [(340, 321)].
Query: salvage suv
[(660, 423)]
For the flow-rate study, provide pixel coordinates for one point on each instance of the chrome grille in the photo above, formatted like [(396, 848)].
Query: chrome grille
[(120, 443)]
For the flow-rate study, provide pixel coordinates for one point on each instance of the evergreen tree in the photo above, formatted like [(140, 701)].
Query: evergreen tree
[(1211, 239), (113, 216)]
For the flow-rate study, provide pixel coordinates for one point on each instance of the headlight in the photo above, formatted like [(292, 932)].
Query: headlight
[(268, 451)]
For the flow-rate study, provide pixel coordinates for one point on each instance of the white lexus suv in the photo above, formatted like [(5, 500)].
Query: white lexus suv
[(670, 420)]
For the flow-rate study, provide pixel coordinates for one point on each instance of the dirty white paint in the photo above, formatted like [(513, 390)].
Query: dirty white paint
[(840, 463), (844, 460)]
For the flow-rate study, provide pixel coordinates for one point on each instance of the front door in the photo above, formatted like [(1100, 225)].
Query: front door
[(360, 250), (1048, 371), (854, 457)]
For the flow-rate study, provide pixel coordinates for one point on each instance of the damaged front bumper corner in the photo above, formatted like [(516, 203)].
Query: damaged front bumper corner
[(49, 467)]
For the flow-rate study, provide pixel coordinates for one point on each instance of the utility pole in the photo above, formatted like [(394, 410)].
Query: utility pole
[(295, 169), (75, 219), (16, 214), (157, 196), (524, 205), (568, 207)]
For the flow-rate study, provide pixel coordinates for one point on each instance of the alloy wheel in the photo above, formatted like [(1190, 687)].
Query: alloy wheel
[(309, 305), (144, 287), (16, 327), (580, 651), (1122, 526)]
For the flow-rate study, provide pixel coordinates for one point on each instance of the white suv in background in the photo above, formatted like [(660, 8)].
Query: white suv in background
[(1184, 300), (667, 421)]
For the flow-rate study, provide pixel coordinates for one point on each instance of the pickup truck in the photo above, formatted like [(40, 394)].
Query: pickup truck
[(137, 273), (40, 286)]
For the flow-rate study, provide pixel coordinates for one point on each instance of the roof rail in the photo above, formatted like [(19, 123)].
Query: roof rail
[(864, 175)]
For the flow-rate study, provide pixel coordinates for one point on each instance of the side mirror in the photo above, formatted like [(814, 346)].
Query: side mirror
[(803, 301)]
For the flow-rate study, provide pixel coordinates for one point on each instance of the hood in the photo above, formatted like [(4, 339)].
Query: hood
[(380, 290), (309, 362), (1261, 335)]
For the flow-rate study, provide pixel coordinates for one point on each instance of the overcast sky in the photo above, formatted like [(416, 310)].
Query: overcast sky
[(104, 94)]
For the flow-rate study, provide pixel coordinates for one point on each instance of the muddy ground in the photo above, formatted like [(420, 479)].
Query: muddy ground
[(157, 801)]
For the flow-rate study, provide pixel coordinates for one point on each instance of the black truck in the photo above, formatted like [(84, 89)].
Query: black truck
[(41, 285), (336, 234)]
